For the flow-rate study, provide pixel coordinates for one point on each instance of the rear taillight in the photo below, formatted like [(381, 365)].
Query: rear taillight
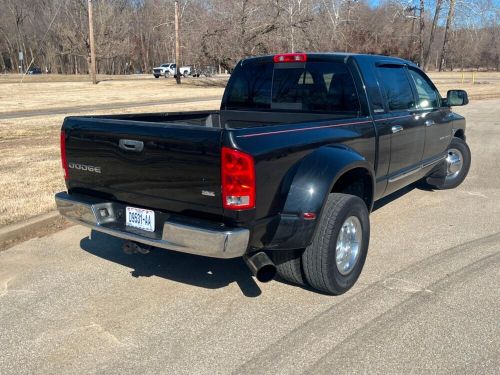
[(238, 180), (290, 57), (64, 162)]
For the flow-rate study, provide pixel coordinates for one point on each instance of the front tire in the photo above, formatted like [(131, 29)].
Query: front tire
[(456, 167), (157, 76), (334, 260)]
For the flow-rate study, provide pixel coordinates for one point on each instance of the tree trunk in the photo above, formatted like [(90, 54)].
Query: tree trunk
[(449, 20), (411, 41), (421, 33), (439, 3)]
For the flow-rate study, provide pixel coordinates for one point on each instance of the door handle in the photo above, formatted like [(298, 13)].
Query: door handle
[(429, 122), (131, 145), (396, 129)]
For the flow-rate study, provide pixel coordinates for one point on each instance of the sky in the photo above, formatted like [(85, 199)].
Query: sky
[(374, 3), (468, 16)]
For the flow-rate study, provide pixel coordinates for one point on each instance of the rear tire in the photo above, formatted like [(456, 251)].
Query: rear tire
[(289, 265), (334, 260)]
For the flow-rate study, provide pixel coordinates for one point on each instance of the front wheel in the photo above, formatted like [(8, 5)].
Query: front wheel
[(167, 74), (157, 76), (456, 167), (334, 260)]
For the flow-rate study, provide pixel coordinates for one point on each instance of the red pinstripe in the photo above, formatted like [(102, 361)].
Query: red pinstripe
[(318, 127)]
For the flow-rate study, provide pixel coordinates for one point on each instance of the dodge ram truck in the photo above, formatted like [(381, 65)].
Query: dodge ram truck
[(284, 175)]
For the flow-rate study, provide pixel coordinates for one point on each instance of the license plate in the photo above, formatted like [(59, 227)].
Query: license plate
[(140, 218)]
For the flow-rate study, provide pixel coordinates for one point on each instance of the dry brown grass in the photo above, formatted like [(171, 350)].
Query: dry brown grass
[(486, 84), (38, 93), (30, 171)]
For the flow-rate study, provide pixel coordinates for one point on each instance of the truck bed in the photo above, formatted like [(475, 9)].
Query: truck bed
[(220, 119), (210, 119)]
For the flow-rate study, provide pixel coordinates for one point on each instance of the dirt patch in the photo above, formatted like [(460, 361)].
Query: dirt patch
[(51, 227)]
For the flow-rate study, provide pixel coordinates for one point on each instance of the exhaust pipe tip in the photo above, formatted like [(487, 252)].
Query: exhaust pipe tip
[(266, 273), (261, 266)]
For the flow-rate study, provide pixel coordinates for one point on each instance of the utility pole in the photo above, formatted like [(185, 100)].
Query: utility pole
[(92, 46), (177, 45)]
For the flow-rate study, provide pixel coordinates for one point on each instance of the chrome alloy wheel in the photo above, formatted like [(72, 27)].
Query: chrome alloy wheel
[(348, 246), (454, 163)]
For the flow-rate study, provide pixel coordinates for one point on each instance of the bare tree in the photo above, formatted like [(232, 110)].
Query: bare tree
[(437, 12), (219, 33), (421, 33), (449, 20), (296, 14)]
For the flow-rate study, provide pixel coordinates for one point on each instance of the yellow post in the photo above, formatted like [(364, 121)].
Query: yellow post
[(463, 77), (473, 77)]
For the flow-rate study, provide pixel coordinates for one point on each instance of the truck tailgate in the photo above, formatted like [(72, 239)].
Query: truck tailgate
[(171, 167)]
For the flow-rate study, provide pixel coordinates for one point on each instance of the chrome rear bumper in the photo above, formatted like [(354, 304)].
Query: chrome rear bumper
[(201, 238)]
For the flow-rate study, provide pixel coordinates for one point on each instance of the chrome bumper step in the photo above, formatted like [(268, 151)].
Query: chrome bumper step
[(204, 239)]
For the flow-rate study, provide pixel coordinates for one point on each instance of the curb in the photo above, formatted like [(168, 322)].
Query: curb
[(33, 227)]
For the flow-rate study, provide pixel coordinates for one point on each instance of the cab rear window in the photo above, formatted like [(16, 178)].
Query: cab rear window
[(312, 87)]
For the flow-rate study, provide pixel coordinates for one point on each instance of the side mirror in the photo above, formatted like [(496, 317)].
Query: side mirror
[(456, 98)]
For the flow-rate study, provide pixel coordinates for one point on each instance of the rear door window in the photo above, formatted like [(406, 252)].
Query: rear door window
[(314, 87), (396, 87)]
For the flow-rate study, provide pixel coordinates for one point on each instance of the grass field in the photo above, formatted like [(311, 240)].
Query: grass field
[(486, 84), (30, 171)]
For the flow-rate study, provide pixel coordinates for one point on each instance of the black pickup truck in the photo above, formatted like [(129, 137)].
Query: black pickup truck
[(284, 174)]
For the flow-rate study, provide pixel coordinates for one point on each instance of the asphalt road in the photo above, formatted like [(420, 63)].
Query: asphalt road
[(428, 299)]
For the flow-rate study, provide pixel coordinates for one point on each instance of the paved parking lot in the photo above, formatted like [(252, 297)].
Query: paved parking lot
[(428, 299)]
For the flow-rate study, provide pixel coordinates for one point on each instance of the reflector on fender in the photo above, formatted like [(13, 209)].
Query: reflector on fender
[(238, 179), (290, 57)]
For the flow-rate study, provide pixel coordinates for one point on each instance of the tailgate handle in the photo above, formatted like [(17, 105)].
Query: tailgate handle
[(131, 145)]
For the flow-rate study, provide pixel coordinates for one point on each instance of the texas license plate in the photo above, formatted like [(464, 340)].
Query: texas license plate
[(140, 218)]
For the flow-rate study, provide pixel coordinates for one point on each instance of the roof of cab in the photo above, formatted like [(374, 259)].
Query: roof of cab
[(338, 56)]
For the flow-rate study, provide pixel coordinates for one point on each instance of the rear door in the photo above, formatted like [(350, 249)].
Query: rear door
[(408, 132), (438, 124)]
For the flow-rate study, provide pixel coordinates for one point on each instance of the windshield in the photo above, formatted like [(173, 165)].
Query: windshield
[(321, 87)]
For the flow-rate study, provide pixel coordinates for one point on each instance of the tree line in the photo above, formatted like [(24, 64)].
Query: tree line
[(135, 35)]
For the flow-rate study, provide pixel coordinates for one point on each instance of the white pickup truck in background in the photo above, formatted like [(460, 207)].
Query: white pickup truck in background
[(168, 70)]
